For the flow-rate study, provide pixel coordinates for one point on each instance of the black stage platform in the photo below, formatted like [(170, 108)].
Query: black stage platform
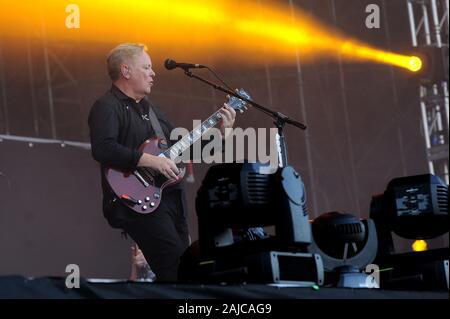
[(54, 287)]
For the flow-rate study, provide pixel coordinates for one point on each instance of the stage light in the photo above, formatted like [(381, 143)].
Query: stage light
[(415, 64), (419, 245), (434, 64), (234, 201), (338, 234), (245, 195), (347, 245), (414, 207)]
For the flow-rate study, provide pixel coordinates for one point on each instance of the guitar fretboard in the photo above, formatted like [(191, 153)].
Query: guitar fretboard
[(183, 144)]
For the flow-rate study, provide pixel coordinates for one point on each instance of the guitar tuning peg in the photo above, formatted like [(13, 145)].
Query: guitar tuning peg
[(241, 110)]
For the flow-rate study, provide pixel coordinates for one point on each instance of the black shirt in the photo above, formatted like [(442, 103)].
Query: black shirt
[(117, 129)]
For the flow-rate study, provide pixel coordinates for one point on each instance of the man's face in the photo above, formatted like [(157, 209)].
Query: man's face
[(141, 74)]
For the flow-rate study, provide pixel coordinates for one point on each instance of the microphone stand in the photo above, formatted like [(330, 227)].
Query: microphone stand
[(280, 119)]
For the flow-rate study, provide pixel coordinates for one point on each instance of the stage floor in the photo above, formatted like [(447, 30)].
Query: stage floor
[(54, 287)]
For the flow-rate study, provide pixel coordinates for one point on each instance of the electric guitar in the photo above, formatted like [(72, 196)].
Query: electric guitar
[(142, 188)]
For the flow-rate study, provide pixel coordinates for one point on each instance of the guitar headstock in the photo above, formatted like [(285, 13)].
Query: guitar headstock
[(238, 104)]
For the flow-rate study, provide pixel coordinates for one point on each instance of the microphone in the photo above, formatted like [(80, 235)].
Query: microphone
[(172, 64)]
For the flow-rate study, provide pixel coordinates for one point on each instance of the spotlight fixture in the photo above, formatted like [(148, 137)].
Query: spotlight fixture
[(414, 207), (430, 64), (347, 245), (233, 203)]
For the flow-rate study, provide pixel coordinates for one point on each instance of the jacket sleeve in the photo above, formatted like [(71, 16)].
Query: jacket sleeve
[(104, 125)]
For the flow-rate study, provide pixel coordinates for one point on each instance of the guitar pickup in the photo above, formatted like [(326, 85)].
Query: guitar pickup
[(130, 199), (141, 178)]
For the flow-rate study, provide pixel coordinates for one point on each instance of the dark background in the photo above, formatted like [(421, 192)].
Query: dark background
[(363, 130)]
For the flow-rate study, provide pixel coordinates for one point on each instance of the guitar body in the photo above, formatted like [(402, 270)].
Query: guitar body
[(141, 189)]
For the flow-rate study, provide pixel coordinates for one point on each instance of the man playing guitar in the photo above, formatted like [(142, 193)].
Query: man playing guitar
[(119, 125)]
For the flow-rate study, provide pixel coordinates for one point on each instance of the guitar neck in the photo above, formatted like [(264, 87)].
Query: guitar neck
[(186, 142)]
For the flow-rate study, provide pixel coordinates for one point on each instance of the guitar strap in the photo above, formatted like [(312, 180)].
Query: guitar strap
[(157, 127)]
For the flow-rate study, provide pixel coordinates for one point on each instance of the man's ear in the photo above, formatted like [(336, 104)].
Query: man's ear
[(125, 70)]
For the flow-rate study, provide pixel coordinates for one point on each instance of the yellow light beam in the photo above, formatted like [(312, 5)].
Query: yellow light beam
[(224, 29)]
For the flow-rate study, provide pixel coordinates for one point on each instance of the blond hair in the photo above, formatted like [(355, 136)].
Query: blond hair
[(123, 53)]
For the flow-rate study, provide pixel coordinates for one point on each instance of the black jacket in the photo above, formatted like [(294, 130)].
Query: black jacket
[(117, 129)]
